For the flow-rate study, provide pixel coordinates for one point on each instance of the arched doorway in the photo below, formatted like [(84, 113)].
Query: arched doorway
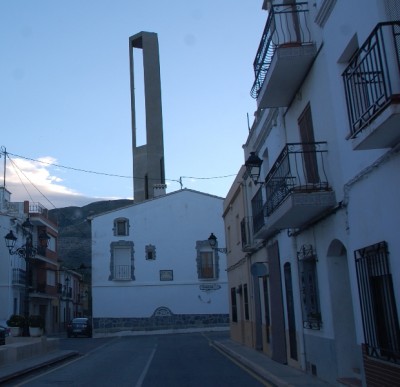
[(347, 351)]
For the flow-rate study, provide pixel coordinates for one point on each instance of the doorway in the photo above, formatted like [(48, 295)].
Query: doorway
[(347, 351)]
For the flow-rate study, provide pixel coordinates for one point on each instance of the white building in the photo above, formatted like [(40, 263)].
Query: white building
[(325, 211), (34, 293), (153, 267)]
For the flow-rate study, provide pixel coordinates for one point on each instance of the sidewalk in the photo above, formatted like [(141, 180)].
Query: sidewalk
[(21, 367), (273, 373)]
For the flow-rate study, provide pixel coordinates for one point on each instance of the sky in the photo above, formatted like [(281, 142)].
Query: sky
[(65, 118)]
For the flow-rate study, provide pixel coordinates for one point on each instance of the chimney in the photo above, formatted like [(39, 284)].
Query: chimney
[(159, 190)]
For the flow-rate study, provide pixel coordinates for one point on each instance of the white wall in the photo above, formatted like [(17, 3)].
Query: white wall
[(172, 223)]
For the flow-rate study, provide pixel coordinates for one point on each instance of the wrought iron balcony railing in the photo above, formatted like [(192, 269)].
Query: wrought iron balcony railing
[(371, 78), (286, 26), (300, 167), (122, 272)]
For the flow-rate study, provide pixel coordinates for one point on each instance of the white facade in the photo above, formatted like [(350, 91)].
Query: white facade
[(145, 265), (324, 215), (12, 267), (12, 276)]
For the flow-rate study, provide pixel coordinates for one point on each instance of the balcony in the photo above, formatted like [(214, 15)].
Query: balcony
[(296, 188), (372, 87), (284, 56), (122, 273)]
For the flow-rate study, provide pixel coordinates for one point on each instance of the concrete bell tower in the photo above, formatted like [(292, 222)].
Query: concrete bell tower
[(148, 159)]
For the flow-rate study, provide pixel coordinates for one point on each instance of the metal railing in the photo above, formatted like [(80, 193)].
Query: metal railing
[(372, 76), (286, 25), (122, 272), (300, 167), (377, 301), (37, 208)]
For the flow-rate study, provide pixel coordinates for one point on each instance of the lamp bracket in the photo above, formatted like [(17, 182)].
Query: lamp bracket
[(221, 249)]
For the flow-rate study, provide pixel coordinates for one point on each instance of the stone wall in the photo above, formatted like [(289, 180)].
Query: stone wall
[(154, 323)]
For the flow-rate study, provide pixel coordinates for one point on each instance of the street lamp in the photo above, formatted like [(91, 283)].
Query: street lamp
[(212, 240), (253, 167), (27, 252)]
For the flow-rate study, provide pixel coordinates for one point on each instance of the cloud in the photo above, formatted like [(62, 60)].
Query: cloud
[(39, 182)]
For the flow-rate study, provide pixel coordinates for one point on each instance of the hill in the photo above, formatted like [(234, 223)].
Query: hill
[(74, 232)]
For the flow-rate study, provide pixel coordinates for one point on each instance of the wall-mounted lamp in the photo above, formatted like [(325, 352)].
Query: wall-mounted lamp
[(253, 167), (212, 240)]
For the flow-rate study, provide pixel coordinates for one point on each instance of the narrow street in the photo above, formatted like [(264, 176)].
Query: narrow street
[(148, 361)]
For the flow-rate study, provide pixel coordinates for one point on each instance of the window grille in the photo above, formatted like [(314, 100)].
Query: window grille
[(378, 305), (309, 287)]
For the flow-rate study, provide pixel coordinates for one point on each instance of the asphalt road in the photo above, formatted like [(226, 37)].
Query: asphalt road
[(145, 361)]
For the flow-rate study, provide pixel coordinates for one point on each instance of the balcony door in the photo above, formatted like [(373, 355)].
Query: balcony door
[(310, 165)]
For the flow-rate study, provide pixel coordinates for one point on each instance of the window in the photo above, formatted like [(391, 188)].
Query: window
[(246, 302), (266, 309), (234, 305), (121, 263), (378, 305), (150, 252), (51, 277), (309, 288), (308, 144), (207, 261), (290, 311), (257, 208), (206, 264), (121, 227)]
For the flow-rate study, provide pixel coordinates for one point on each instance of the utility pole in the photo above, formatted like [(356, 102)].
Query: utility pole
[(4, 151)]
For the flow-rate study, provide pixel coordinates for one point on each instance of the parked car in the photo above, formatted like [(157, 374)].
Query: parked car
[(4, 325), (79, 326)]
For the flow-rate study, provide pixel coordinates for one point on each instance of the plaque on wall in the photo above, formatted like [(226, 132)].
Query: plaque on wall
[(166, 275)]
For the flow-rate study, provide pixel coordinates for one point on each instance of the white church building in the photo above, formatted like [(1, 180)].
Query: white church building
[(153, 267)]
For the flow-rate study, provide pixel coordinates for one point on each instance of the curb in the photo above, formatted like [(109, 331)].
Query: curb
[(36, 366), (260, 372)]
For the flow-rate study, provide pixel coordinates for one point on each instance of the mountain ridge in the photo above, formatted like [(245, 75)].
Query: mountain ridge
[(74, 231)]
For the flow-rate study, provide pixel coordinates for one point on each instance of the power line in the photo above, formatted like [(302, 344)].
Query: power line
[(111, 174), (26, 177)]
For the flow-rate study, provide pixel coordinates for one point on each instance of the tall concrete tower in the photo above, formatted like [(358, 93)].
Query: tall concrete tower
[(148, 159)]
